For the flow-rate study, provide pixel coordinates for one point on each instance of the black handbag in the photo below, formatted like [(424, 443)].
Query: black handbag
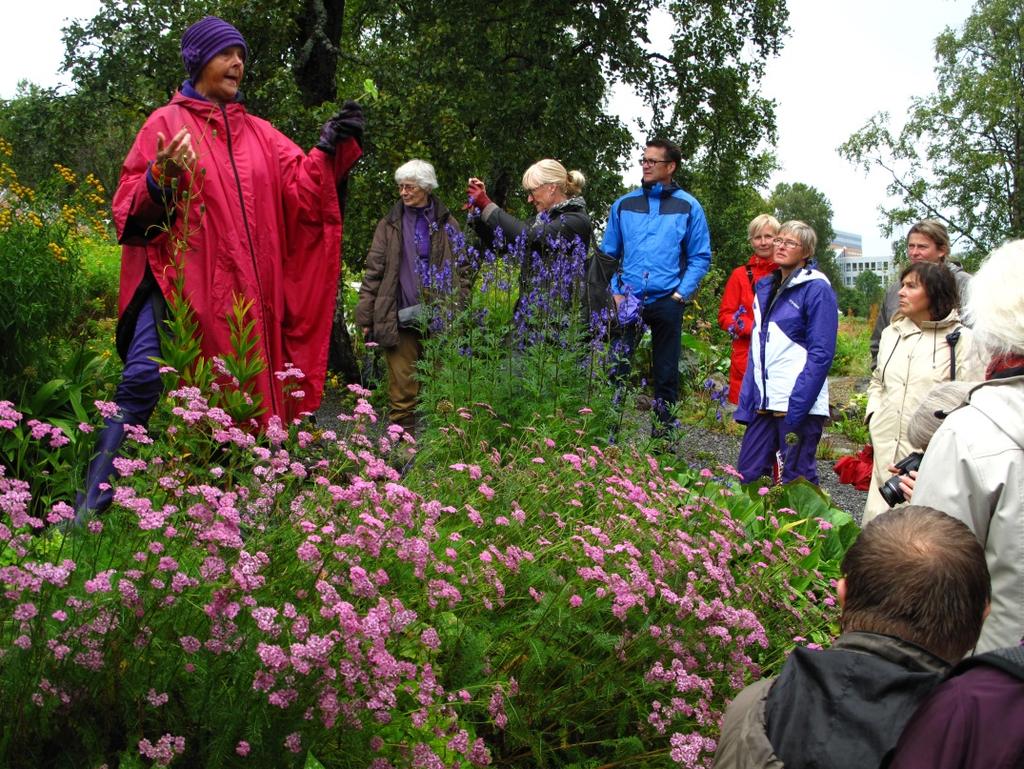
[(601, 268)]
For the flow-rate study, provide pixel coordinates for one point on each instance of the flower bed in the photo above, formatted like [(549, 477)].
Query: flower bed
[(548, 605)]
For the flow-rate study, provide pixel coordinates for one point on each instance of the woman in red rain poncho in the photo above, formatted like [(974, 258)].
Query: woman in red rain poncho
[(261, 219)]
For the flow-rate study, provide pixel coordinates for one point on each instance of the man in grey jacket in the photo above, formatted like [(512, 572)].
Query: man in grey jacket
[(927, 241), (914, 594)]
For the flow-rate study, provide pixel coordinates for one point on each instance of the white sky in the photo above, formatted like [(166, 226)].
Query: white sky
[(843, 62)]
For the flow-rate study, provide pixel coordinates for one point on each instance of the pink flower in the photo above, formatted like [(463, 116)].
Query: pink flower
[(9, 418), (107, 409), (430, 638), (166, 748), (575, 601), (283, 698), (293, 742), (61, 511), (100, 583), (155, 699), (25, 611), (486, 490), (242, 748)]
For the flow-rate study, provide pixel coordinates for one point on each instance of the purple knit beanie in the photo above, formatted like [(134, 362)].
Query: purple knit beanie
[(204, 40)]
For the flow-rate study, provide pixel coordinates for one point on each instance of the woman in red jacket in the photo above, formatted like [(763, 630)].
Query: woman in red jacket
[(736, 313), (241, 211)]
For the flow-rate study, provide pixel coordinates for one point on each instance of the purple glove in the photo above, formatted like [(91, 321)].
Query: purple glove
[(348, 122)]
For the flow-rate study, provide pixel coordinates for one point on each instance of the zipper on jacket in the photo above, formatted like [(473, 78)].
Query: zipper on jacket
[(764, 343), (275, 408)]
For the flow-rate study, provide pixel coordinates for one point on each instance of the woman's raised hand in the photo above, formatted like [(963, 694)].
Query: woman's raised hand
[(173, 157)]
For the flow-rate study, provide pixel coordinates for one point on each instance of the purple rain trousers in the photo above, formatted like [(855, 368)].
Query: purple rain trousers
[(766, 434), (137, 394)]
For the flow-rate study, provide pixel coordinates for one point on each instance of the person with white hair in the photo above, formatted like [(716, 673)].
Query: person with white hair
[(973, 468), (412, 247), (784, 396)]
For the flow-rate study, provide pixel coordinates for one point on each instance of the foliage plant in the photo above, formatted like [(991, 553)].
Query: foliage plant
[(853, 348), (525, 348), (256, 600), (851, 421), (285, 598), (40, 268)]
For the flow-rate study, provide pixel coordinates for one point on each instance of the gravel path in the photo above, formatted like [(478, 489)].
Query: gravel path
[(702, 447)]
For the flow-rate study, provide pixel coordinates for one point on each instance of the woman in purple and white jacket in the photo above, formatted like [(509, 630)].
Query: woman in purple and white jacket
[(784, 398)]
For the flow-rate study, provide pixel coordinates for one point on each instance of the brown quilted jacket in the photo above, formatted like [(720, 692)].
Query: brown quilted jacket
[(377, 308)]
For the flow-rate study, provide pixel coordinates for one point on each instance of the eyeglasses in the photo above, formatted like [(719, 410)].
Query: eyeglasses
[(652, 161), (407, 187), (532, 191), (780, 243)]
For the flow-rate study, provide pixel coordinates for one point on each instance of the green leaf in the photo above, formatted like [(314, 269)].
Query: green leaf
[(371, 89)]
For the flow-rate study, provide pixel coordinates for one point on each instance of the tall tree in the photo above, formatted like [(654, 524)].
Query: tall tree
[(704, 94), (959, 157), (809, 205), (476, 88)]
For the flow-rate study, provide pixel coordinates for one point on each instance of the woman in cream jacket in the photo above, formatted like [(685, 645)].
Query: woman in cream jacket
[(925, 344)]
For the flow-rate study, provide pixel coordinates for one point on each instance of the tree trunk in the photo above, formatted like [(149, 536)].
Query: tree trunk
[(315, 72), (341, 357), (317, 46)]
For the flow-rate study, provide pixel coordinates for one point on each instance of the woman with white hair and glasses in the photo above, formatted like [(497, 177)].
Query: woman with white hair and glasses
[(973, 468), (784, 397), (412, 246)]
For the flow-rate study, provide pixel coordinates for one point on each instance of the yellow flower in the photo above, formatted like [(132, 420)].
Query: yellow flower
[(65, 173)]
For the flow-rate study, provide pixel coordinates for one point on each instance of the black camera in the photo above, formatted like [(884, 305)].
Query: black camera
[(890, 490)]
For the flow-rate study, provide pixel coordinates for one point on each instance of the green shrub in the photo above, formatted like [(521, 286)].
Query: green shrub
[(853, 353), (101, 274), (41, 271)]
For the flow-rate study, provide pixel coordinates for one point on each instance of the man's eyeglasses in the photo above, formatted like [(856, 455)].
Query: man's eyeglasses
[(652, 161), (779, 242)]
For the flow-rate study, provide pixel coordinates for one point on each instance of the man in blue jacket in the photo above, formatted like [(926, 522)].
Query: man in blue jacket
[(660, 235)]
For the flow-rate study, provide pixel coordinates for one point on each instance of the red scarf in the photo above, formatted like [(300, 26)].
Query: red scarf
[(1002, 366)]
